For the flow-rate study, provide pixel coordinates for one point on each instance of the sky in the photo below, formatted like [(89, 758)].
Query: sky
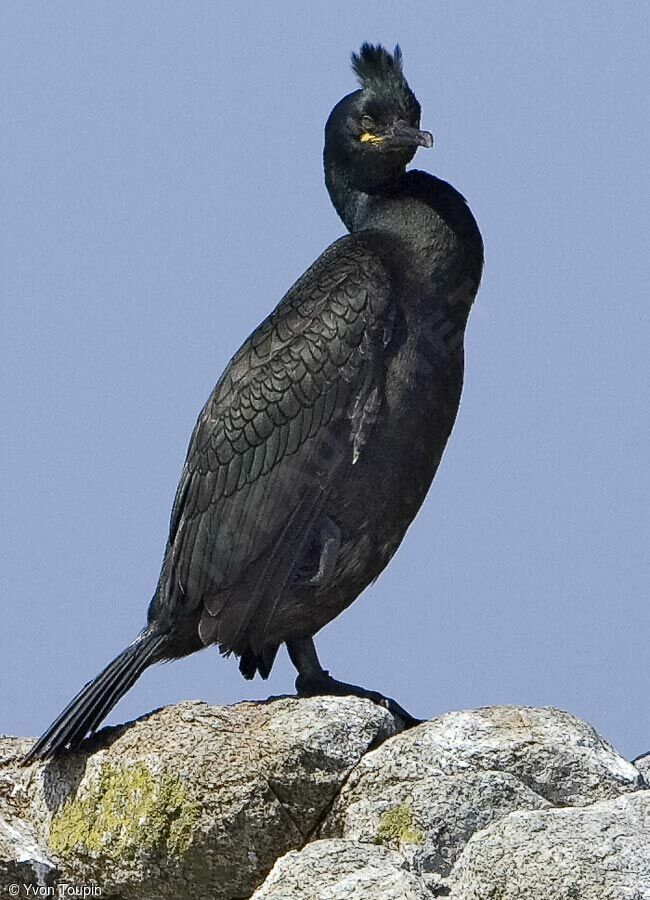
[(162, 188)]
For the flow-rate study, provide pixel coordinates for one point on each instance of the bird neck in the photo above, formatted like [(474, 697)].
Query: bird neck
[(354, 194)]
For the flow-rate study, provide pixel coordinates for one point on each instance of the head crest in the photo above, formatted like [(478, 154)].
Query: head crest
[(373, 63)]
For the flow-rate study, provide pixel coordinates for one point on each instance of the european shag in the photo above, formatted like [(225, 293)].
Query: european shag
[(316, 449)]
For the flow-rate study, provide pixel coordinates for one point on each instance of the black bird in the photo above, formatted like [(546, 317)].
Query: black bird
[(317, 447)]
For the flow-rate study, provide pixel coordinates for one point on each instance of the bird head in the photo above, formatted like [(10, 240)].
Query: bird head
[(375, 131)]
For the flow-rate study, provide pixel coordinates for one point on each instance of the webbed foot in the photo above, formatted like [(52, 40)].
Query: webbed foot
[(322, 683)]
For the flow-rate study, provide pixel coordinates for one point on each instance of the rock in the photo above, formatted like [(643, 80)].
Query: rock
[(341, 870), (22, 859), (426, 791), (193, 800), (431, 820), (599, 852), (198, 801), (642, 763)]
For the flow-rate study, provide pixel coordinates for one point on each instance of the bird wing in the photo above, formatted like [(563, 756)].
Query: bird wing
[(280, 426)]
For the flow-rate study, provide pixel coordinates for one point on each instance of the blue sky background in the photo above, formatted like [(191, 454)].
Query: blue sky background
[(162, 188)]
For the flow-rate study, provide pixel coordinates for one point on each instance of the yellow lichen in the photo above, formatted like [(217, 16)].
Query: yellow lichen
[(129, 810), (397, 826)]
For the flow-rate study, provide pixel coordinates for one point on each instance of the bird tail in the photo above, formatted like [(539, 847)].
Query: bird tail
[(97, 698)]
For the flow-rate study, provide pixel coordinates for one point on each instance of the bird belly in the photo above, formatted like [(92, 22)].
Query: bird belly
[(380, 495)]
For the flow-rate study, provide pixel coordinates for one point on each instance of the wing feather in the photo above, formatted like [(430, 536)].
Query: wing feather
[(256, 470)]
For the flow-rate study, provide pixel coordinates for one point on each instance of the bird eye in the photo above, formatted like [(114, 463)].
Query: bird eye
[(367, 123)]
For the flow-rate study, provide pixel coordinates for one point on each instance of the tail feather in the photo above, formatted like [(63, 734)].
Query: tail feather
[(97, 698), (111, 693), (105, 693)]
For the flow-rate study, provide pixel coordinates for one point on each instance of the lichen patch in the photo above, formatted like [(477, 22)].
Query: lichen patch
[(127, 812), (397, 826)]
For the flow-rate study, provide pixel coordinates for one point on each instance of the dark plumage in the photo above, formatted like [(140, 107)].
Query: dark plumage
[(318, 445)]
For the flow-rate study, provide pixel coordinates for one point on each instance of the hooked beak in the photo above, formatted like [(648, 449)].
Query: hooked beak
[(403, 135)]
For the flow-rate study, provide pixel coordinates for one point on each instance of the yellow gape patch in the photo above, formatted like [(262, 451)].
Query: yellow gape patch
[(373, 138)]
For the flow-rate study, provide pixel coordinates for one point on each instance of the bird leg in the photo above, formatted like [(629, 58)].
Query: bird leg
[(313, 680)]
